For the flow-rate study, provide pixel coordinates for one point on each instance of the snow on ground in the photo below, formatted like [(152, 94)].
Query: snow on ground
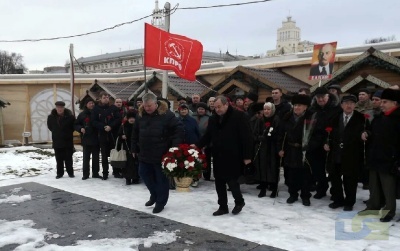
[(291, 227)]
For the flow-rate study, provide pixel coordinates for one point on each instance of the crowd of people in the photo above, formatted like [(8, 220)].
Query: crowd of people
[(326, 143)]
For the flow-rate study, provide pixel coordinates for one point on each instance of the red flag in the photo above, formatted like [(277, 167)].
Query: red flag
[(167, 51)]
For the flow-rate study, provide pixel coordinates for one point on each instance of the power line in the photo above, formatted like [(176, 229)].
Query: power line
[(172, 11)]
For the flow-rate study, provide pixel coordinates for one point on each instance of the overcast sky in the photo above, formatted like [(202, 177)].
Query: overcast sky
[(245, 30)]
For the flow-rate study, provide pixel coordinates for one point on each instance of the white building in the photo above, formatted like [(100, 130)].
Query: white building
[(289, 40)]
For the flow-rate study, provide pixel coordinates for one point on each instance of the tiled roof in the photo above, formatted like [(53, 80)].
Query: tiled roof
[(281, 79), (121, 90), (185, 86)]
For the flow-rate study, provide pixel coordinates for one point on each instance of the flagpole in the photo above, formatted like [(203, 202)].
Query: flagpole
[(144, 61), (167, 8), (72, 69)]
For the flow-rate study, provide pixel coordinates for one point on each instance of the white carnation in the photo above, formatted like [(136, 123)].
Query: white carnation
[(172, 149)]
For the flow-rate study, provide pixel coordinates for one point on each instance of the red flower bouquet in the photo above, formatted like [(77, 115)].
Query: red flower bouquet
[(183, 161)]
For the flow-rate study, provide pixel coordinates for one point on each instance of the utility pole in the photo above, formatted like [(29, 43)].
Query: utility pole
[(167, 9)]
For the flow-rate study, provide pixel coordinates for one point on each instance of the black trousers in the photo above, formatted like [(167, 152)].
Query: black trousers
[(299, 180), (131, 171), (64, 155), (207, 171), (382, 187), (220, 186), (105, 149), (94, 152), (317, 160), (348, 184)]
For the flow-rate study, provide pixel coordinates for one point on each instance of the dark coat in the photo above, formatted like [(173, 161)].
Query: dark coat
[(350, 157), (291, 135), (384, 142), (84, 120), (232, 142), (267, 159), (323, 116), (191, 128), (153, 134), (105, 115), (314, 71), (125, 129), (62, 128), (283, 108)]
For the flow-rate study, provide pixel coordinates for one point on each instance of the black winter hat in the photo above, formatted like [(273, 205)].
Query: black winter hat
[(301, 99), (87, 100), (364, 90), (391, 94), (131, 103), (202, 105), (257, 107), (252, 96), (336, 87), (131, 114), (321, 91), (349, 97), (60, 103), (183, 106)]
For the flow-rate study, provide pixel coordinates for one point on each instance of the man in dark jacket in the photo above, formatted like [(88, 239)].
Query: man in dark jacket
[(61, 124), (155, 131), (282, 106), (326, 106), (107, 120), (345, 153), (89, 141), (230, 134), (384, 156)]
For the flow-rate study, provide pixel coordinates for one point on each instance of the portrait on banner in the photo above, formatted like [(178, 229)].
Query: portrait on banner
[(322, 61)]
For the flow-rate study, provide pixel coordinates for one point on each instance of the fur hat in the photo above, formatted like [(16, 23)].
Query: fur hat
[(391, 94), (202, 105), (252, 96), (302, 99), (321, 91), (349, 97), (60, 103)]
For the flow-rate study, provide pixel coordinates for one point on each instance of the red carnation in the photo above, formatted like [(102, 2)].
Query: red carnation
[(205, 165), (366, 116), (328, 129), (181, 165), (87, 120), (267, 124), (190, 159), (186, 153), (178, 154)]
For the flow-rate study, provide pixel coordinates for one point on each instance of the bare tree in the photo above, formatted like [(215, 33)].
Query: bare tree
[(11, 63), (380, 39)]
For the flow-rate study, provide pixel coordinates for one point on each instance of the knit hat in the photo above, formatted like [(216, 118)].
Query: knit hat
[(349, 97), (302, 99), (378, 94), (391, 94)]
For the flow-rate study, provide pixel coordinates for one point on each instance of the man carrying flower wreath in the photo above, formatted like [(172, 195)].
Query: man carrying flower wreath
[(229, 132), (156, 130)]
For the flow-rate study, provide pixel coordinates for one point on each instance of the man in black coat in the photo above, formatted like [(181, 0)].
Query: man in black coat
[(231, 137), (107, 120), (345, 153), (325, 106), (155, 131), (89, 140), (61, 124), (384, 156), (282, 106)]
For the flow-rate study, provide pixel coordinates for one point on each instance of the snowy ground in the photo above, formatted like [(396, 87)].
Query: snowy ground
[(291, 227)]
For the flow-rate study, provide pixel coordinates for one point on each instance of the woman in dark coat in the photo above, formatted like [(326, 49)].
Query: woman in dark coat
[(266, 159), (192, 134), (291, 136), (130, 172)]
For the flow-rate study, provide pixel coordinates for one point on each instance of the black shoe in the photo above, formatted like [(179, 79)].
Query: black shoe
[(274, 194), (335, 205), (157, 209), (135, 181), (386, 218), (58, 176), (291, 200), (221, 211), (306, 202), (105, 177), (263, 193), (150, 203), (128, 182), (259, 186), (319, 195), (71, 175), (348, 208), (85, 178), (97, 176), (118, 176), (238, 208)]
